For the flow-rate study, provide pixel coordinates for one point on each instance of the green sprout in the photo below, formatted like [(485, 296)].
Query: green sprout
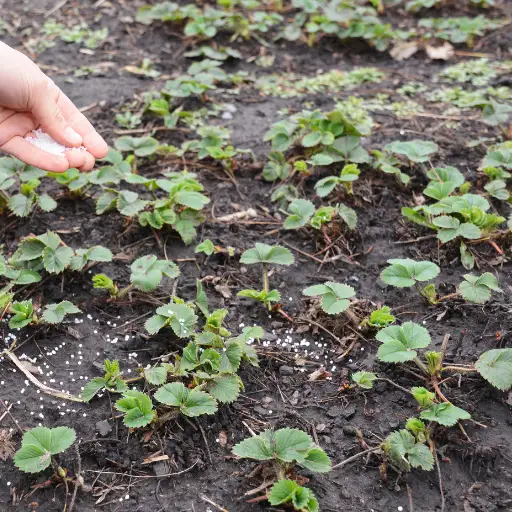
[(265, 255)]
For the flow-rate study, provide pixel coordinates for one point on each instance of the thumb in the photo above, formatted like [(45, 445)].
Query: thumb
[(48, 114)]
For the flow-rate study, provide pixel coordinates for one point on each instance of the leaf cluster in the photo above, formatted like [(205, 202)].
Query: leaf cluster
[(335, 296), (286, 445), (39, 444), (23, 313), (302, 211), (180, 209), (112, 381), (325, 138), (48, 252), (290, 492)]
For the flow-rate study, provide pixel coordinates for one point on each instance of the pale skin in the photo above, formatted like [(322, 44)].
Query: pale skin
[(30, 100)]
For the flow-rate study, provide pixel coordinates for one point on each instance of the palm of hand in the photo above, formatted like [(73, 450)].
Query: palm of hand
[(30, 100), (16, 125)]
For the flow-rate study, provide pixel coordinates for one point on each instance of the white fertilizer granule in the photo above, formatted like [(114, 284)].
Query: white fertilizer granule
[(47, 143)]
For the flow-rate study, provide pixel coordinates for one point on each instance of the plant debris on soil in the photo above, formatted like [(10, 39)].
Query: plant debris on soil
[(425, 81)]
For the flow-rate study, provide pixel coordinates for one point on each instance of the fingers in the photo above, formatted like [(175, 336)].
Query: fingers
[(49, 115), (31, 155), (81, 160), (92, 140), (15, 125)]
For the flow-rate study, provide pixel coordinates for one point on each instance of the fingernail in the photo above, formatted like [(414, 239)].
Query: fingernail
[(72, 136)]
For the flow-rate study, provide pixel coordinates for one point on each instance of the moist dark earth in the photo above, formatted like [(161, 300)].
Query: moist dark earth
[(476, 470)]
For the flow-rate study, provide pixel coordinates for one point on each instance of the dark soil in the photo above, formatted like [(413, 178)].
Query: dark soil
[(476, 473)]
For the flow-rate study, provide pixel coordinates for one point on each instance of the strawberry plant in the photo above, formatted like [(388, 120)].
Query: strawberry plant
[(379, 318), (461, 29), (142, 146), (406, 273), (39, 445), (189, 402), (324, 138), (389, 164), (111, 381), (302, 211), (400, 344), (22, 203), (290, 492), (334, 296), (218, 53), (495, 113), (265, 255), (285, 447), (462, 217), (210, 364), (23, 313), (137, 408), (416, 151), (416, 5), (213, 357), (347, 176), (76, 182), (180, 209), (146, 275), (48, 252), (499, 155), (407, 448)]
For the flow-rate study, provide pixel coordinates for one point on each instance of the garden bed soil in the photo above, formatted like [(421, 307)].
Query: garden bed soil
[(476, 473)]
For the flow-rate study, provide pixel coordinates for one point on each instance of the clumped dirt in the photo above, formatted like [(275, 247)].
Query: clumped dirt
[(476, 474)]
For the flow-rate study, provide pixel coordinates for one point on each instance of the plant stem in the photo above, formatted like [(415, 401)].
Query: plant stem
[(265, 278), (133, 379), (389, 381), (4, 196), (421, 365), (447, 297), (355, 457), (124, 291), (37, 383), (462, 369), (435, 385)]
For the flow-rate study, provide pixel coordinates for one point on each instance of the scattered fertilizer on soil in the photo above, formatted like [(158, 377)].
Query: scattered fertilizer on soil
[(47, 143)]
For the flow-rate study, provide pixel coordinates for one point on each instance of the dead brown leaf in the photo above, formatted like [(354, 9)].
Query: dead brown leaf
[(158, 458), (418, 200), (320, 374), (74, 333), (404, 50), (444, 52), (224, 290), (223, 438)]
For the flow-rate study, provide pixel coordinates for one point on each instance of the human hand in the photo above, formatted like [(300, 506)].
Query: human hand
[(30, 100)]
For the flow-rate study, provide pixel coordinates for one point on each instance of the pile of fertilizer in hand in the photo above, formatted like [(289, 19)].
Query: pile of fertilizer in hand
[(47, 143)]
